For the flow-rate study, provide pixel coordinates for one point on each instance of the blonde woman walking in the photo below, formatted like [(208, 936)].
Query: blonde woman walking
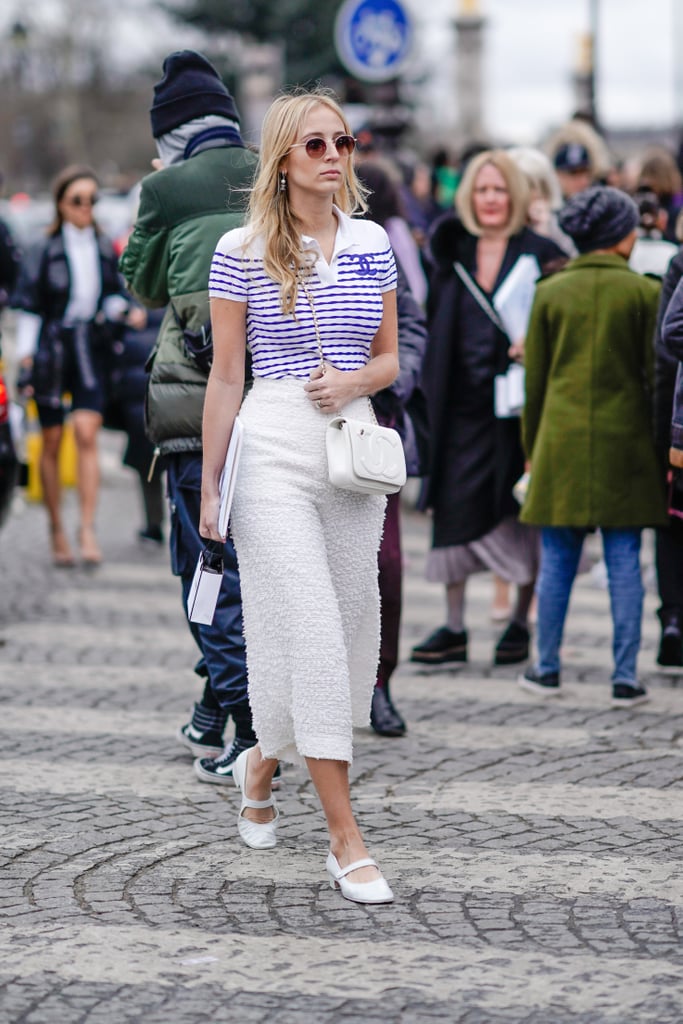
[(307, 551)]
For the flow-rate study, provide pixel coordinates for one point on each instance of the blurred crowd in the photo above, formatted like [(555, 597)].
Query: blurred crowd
[(540, 333)]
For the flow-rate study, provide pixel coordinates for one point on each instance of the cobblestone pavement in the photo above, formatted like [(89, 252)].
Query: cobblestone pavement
[(534, 848)]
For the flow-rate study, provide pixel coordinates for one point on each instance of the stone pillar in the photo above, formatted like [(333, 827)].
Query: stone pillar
[(261, 77), (469, 47), (582, 79)]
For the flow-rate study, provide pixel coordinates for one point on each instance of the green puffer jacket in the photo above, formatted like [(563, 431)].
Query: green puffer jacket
[(184, 209)]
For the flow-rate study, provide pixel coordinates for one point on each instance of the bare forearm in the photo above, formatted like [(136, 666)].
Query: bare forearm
[(332, 389), (378, 373), (221, 405)]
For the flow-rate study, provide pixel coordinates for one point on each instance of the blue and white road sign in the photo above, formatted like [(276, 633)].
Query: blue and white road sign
[(373, 38)]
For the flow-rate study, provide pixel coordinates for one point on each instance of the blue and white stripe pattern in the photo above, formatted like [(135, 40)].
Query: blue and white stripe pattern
[(347, 294)]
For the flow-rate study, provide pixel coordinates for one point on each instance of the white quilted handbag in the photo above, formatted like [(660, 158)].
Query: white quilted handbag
[(364, 457), (361, 456)]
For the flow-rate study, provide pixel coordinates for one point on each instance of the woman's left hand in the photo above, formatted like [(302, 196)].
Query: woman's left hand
[(330, 389), (516, 352), (136, 318)]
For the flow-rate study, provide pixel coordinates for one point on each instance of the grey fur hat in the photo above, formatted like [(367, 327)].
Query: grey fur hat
[(598, 218)]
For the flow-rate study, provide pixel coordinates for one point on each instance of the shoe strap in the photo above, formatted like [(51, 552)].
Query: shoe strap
[(258, 804), (366, 862)]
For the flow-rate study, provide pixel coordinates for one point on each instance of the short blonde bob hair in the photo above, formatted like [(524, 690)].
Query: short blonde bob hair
[(539, 172), (270, 215), (514, 179)]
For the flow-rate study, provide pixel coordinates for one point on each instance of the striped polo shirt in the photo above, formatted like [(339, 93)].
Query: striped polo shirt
[(347, 295)]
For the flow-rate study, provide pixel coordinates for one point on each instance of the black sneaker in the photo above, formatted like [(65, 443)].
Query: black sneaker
[(442, 646), (513, 646), (202, 744), (548, 684), (151, 533), (218, 771), (384, 718), (625, 696)]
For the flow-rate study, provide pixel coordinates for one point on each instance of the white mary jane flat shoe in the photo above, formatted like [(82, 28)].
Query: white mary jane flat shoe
[(377, 891), (256, 835)]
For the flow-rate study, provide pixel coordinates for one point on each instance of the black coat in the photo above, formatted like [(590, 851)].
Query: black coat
[(671, 329), (666, 364), (128, 378), (44, 288), (402, 405), (44, 283), (472, 493), (9, 264)]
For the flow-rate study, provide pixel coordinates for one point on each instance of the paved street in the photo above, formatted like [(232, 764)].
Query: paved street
[(534, 848)]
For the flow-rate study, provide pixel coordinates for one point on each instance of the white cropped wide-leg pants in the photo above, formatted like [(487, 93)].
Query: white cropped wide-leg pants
[(307, 555)]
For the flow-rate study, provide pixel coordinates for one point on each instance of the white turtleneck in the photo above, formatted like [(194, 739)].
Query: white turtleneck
[(82, 254), (80, 245)]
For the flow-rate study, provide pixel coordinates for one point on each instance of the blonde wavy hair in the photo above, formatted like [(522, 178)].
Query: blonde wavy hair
[(515, 180), (269, 214)]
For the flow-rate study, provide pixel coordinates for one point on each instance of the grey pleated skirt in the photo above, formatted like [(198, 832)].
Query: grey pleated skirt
[(511, 551)]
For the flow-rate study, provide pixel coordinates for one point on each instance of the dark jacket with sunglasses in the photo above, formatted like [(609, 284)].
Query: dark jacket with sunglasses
[(44, 289), (184, 209)]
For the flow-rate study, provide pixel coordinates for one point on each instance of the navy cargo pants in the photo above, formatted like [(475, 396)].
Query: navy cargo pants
[(223, 661)]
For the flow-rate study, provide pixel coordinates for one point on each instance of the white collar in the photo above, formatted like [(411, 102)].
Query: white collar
[(343, 239), (78, 236)]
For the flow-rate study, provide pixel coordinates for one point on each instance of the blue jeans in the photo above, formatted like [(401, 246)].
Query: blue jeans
[(560, 553), (222, 643)]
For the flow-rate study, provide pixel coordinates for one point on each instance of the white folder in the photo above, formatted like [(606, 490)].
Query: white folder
[(226, 485), (206, 583)]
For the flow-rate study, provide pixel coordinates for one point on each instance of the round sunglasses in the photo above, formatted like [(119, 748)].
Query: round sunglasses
[(317, 147), (82, 200)]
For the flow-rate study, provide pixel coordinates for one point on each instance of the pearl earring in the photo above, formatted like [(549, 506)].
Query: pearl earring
[(283, 181)]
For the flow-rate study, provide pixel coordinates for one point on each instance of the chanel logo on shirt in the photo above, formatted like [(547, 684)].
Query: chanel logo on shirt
[(365, 267)]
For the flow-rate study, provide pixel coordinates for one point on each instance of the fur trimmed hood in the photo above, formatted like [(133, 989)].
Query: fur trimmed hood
[(448, 239)]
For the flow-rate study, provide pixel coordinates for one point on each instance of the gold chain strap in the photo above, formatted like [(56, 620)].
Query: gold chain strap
[(308, 295)]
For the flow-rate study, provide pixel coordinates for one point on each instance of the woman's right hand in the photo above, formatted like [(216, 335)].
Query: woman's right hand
[(208, 518)]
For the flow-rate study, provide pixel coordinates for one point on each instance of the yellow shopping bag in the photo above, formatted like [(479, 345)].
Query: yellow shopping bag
[(34, 446)]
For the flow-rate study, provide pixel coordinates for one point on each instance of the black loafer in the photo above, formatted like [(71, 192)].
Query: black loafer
[(513, 646), (442, 646), (670, 652), (384, 718)]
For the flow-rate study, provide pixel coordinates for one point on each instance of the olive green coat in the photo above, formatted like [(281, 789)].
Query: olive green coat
[(587, 423)]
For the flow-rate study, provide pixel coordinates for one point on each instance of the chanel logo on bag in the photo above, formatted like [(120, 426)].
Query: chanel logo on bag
[(380, 455)]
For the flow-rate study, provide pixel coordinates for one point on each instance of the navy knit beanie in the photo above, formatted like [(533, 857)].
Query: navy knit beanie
[(598, 218), (190, 88)]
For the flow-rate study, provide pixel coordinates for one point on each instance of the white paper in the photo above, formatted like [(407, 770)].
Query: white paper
[(514, 298), (203, 596), (508, 393), (228, 478)]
